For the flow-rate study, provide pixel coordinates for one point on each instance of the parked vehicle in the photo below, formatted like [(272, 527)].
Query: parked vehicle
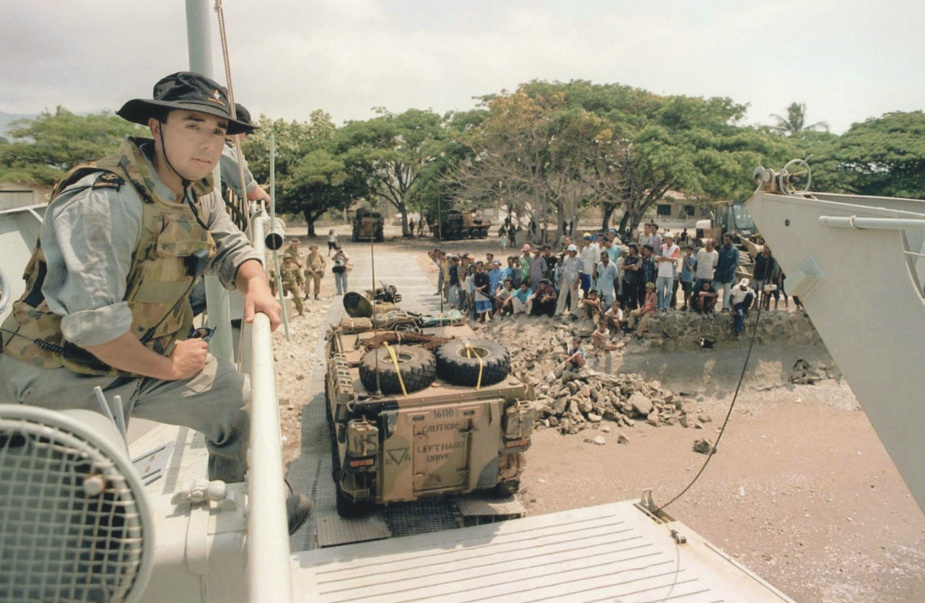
[(457, 225), (418, 419), (368, 225)]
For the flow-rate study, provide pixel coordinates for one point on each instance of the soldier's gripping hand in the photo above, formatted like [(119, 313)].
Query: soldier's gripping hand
[(188, 359)]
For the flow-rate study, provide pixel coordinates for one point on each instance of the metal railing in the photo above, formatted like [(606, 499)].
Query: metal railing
[(268, 564)]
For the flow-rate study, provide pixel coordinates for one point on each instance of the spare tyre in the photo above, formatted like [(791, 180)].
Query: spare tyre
[(417, 365), (461, 365)]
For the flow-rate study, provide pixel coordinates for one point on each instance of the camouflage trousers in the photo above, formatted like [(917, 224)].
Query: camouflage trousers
[(296, 291), (315, 281), (214, 403)]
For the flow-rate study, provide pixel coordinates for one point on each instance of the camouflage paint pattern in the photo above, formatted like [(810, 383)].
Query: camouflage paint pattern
[(159, 281)]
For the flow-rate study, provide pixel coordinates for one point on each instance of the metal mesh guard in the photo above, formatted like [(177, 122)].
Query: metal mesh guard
[(70, 528)]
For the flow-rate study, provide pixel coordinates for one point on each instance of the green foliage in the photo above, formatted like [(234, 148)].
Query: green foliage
[(311, 177), (41, 150), (393, 151), (883, 156), (553, 147)]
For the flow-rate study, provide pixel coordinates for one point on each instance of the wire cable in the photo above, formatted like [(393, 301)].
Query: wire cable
[(732, 404)]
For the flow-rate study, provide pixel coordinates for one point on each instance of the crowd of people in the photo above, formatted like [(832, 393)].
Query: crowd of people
[(620, 286)]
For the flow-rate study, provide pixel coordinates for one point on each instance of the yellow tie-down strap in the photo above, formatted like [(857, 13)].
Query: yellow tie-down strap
[(394, 358), (469, 354)]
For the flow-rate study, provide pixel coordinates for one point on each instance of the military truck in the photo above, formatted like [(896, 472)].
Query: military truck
[(463, 225), (368, 225), (425, 415)]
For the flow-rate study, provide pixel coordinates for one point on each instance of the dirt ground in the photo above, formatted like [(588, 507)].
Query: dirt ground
[(800, 491)]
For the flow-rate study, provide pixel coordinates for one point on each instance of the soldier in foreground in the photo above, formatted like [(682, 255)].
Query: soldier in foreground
[(123, 243)]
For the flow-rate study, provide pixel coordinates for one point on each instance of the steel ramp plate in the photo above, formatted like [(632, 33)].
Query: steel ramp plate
[(333, 530), (611, 552)]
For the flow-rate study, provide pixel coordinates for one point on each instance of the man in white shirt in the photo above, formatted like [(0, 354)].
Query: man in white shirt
[(707, 258), (590, 256), (667, 262)]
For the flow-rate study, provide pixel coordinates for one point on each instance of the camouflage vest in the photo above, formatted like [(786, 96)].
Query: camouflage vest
[(159, 283)]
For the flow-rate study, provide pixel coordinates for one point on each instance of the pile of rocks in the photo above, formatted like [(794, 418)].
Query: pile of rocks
[(589, 397), (575, 401)]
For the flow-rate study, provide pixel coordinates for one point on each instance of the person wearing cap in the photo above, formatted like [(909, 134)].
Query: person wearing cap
[(667, 271), (231, 173), (293, 251), (590, 255), (291, 277), (569, 281), (741, 298), (123, 242), (314, 270)]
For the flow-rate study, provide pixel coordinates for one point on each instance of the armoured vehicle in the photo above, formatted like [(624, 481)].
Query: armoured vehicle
[(407, 422), (368, 225), (463, 225)]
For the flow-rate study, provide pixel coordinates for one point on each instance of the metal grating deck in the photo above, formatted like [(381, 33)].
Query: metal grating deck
[(608, 553)]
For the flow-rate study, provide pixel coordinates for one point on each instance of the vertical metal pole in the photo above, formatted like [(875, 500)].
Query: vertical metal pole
[(272, 208), (199, 39)]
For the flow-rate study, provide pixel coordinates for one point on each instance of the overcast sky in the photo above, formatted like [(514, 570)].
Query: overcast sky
[(848, 60)]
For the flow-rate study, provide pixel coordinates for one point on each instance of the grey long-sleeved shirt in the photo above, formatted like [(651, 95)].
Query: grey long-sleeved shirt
[(88, 237)]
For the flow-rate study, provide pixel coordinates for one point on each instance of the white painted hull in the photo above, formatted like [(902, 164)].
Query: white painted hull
[(862, 288)]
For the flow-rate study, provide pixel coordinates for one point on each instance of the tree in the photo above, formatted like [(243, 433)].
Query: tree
[(795, 121), (884, 156), (311, 177), (43, 149), (393, 150)]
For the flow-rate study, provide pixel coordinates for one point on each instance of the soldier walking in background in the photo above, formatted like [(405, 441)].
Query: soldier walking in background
[(291, 277), (314, 270), (294, 252)]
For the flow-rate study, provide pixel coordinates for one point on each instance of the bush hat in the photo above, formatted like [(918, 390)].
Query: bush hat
[(185, 91)]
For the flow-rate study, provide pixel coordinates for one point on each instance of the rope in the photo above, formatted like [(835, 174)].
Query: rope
[(394, 358), (239, 153), (469, 353), (732, 404)]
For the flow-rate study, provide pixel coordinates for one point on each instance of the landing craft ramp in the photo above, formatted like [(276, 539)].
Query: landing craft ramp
[(613, 552)]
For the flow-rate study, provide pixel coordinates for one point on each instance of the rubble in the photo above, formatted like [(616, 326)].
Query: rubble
[(594, 396), (588, 399)]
